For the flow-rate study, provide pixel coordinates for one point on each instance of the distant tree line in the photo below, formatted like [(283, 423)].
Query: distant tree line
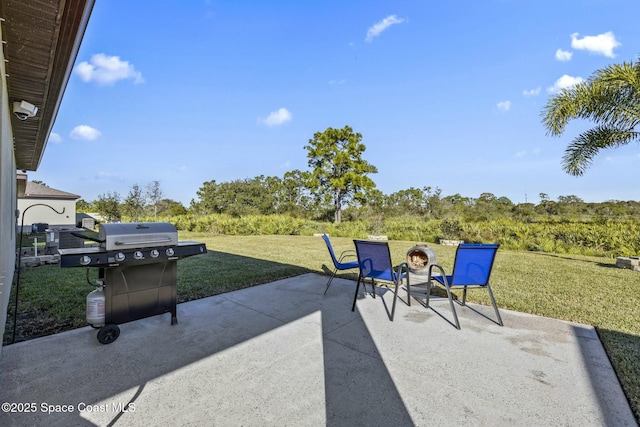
[(291, 196), (138, 203), (337, 187)]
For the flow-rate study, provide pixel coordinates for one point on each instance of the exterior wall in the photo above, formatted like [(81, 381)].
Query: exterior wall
[(45, 214), (8, 194)]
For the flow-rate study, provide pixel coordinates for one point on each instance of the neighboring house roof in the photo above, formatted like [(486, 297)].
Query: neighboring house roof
[(39, 191)]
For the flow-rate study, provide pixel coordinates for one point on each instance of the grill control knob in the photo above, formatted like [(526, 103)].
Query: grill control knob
[(138, 255), (154, 253), (120, 257), (85, 260), (170, 252)]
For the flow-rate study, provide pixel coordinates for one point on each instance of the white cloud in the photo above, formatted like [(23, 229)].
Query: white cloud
[(532, 92), (107, 70), (381, 26), (563, 55), (521, 153), (55, 138), (564, 82), (85, 133), (277, 118), (504, 105), (602, 44)]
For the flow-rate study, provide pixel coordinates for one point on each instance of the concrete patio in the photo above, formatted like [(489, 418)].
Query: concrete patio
[(285, 354)]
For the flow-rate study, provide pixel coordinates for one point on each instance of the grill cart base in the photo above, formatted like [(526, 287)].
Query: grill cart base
[(135, 292)]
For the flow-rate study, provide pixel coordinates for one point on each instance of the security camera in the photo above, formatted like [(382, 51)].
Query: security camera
[(23, 110)]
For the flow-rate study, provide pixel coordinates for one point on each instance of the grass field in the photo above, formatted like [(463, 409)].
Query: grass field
[(581, 289)]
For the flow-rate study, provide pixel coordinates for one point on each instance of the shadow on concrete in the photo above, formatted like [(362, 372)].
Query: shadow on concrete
[(102, 383)]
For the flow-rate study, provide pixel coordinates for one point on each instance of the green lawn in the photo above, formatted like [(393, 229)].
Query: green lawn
[(577, 288)]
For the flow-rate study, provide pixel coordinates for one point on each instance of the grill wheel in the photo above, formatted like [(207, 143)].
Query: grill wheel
[(108, 333)]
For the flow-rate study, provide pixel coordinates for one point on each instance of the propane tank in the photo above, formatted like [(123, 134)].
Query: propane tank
[(95, 305)]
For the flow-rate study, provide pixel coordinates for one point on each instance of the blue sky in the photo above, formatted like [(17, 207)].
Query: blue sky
[(446, 94)]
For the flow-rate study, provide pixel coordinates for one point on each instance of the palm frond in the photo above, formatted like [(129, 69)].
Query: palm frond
[(611, 99), (610, 96), (580, 153)]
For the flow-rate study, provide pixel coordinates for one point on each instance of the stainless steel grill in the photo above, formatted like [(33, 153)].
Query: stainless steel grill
[(131, 244), (137, 263)]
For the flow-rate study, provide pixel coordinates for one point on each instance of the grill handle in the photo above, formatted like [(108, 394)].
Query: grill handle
[(145, 242)]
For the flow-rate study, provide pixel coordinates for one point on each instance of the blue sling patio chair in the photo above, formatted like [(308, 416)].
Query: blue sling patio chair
[(374, 261), (471, 269), (338, 263)]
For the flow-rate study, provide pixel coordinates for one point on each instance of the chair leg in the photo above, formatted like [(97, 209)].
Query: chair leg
[(330, 280), (495, 306), (453, 308), (408, 291), (395, 298), (355, 297), (428, 291), (464, 296)]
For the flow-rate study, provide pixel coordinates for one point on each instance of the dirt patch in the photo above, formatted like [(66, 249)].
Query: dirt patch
[(36, 323)]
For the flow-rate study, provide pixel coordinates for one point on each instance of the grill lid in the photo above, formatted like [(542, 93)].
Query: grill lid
[(137, 235)]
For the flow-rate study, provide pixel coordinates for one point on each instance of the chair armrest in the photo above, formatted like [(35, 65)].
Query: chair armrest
[(442, 273), (346, 254), (402, 266)]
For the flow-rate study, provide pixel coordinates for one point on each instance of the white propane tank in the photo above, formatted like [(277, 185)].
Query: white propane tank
[(95, 305)]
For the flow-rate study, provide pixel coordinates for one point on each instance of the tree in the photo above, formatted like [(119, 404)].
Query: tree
[(571, 205), (293, 194), (134, 204), (611, 99), (546, 205), (338, 168), (171, 208), (454, 206), (489, 207), (523, 212), (83, 206), (434, 204), (108, 205), (407, 202), (154, 194), (206, 198), (240, 197)]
